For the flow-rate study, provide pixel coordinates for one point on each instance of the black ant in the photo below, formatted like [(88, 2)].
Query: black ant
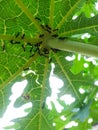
[(55, 35), (43, 26), (14, 42), (46, 51), (50, 60), (55, 30), (28, 43), (11, 41), (43, 105), (63, 38), (17, 42), (36, 47), (43, 52), (31, 49), (3, 47), (47, 28), (39, 52), (17, 34), (38, 44), (41, 35), (22, 37), (32, 55), (55, 50), (26, 68), (26, 96), (38, 18), (23, 47)]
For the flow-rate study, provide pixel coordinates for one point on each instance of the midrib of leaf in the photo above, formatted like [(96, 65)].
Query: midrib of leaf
[(47, 122), (80, 29), (86, 124), (68, 14), (18, 72), (93, 92), (2, 98), (42, 92), (27, 40), (51, 12), (6, 69), (4, 27), (26, 128), (67, 77), (40, 115), (28, 14), (68, 115)]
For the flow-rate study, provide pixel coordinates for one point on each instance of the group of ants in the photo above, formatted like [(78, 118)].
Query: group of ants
[(45, 51)]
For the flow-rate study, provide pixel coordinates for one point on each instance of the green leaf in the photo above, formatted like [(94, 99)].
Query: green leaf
[(25, 28), (94, 111), (79, 26), (83, 112)]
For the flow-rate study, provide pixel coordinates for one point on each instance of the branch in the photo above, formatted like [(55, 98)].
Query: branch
[(73, 46)]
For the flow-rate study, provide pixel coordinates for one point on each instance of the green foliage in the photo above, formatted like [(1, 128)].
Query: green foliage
[(25, 26)]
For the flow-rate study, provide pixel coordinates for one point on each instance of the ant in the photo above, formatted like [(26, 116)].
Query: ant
[(17, 34), (47, 28), (26, 96), (38, 18), (23, 47), (41, 35), (32, 55), (30, 44), (43, 105), (38, 44), (55, 35), (55, 29), (26, 68), (3, 47), (36, 47), (22, 37), (63, 38), (43, 52), (50, 60), (18, 42), (46, 51), (15, 42)]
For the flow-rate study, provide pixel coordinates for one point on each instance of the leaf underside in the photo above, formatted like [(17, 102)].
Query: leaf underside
[(24, 24)]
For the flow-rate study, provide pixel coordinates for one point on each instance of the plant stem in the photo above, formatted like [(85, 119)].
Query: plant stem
[(73, 46)]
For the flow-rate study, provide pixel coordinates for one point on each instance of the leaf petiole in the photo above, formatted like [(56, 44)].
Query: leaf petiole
[(73, 46)]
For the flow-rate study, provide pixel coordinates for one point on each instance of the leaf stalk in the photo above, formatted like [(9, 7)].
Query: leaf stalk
[(73, 46)]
